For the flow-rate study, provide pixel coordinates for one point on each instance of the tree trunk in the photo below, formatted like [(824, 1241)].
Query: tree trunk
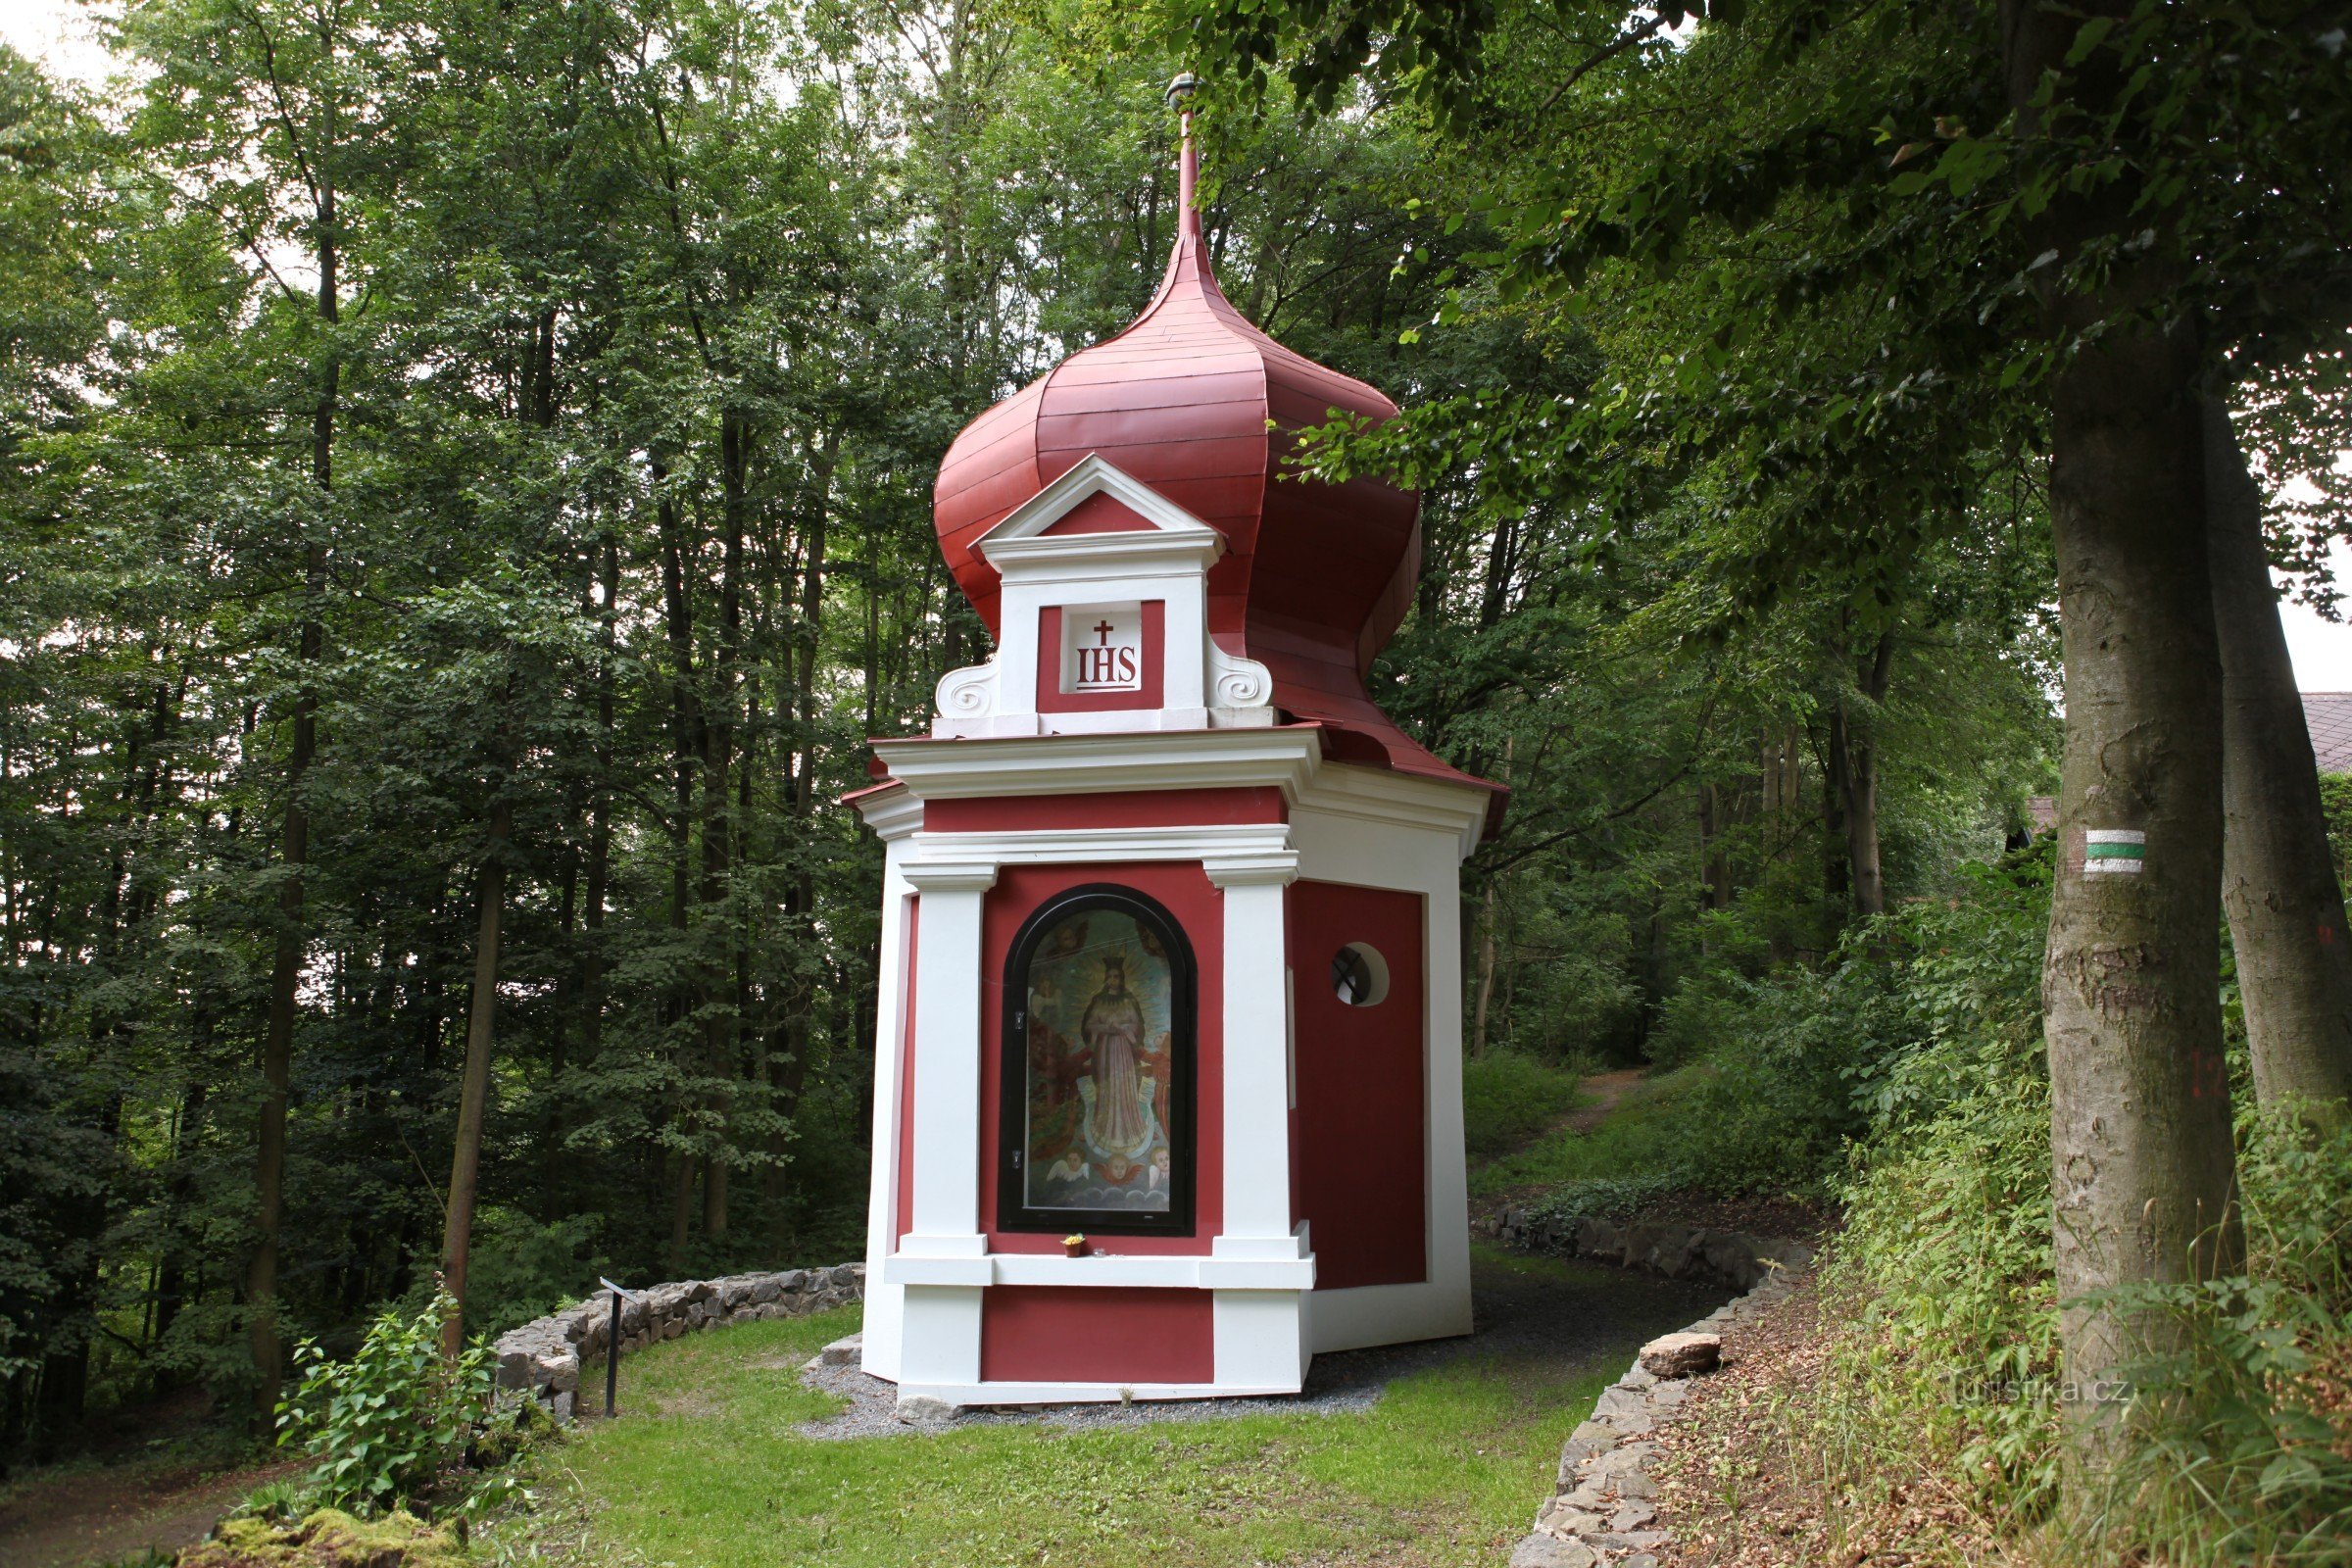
[(1858, 777), (2142, 1161), (2286, 909), (600, 822), (722, 707), (686, 753), (1486, 972), (1837, 863), (294, 853), (1715, 865), (473, 1092)]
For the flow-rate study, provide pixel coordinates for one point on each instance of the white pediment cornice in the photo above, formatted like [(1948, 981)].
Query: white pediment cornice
[(1021, 539)]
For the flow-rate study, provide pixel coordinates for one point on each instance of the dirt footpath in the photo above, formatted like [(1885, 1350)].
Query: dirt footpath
[(103, 1513)]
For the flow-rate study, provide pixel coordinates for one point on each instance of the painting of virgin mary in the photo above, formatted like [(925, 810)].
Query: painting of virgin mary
[(1100, 998)]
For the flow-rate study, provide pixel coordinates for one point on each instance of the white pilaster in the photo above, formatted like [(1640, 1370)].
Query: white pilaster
[(944, 1122), (1257, 1108)]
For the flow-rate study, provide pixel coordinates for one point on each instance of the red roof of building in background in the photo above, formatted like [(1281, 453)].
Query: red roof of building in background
[(2328, 717), (1195, 402)]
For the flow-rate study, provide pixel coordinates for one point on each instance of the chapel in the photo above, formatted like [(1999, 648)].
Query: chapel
[(1168, 1054)]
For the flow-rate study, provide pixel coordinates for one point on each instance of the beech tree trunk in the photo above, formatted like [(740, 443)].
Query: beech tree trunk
[(2142, 1161), (1857, 751), (294, 854), (473, 1091), (2286, 911)]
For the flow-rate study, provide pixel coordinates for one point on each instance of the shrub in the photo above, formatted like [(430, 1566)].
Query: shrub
[(1508, 1097), (384, 1425), (2246, 1424), (524, 1269), (1611, 1198)]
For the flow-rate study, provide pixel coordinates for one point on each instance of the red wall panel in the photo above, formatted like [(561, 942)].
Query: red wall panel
[(1044, 1334), (1100, 512), (1359, 1168)]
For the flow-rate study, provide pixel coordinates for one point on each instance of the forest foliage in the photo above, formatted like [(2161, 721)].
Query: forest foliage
[(464, 500)]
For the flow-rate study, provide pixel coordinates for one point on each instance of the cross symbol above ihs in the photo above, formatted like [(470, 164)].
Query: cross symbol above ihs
[(1102, 631)]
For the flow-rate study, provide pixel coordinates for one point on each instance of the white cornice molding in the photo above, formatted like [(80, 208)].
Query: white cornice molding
[(1251, 870), (892, 813), (1242, 845), (962, 875), (1283, 756), (1098, 557), (1390, 799), (1111, 1270)]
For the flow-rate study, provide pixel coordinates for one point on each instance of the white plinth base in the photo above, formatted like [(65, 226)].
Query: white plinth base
[(1386, 1315), (1260, 1336), (1083, 1392)]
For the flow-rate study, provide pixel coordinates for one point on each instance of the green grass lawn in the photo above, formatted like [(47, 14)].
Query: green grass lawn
[(706, 1471), (1639, 1136)]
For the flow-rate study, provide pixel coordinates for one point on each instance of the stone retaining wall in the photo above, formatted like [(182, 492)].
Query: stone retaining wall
[(1678, 1251), (1600, 1511), (545, 1356)]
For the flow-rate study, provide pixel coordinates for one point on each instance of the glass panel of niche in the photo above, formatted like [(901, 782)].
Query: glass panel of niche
[(1097, 1126)]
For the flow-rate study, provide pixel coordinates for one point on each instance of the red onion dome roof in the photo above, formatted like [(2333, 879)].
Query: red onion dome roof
[(1202, 405)]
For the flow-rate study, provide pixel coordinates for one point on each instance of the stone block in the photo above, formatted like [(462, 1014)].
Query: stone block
[(1681, 1355), (1616, 1401), (1667, 1249), (1597, 1237), (1541, 1551), (922, 1408), (1734, 1257), (1562, 1518)]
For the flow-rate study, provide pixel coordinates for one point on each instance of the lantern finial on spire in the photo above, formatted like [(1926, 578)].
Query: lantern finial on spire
[(1188, 156)]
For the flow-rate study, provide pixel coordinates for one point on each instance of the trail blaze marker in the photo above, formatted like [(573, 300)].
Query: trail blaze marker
[(2111, 850)]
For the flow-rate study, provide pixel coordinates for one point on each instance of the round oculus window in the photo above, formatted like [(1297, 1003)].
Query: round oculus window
[(1359, 975)]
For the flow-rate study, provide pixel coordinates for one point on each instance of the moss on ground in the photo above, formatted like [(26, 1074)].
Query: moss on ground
[(327, 1539)]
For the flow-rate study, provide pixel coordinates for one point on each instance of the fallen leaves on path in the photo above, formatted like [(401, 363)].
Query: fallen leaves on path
[(1741, 1482)]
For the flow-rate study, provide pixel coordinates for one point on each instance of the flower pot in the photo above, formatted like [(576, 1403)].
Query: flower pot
[(1074, 1248)]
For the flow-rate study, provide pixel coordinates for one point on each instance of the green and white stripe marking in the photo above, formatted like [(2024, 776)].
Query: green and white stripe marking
[(2118, 851)]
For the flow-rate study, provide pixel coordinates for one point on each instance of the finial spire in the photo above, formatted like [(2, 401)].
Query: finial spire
[(1188, 156)]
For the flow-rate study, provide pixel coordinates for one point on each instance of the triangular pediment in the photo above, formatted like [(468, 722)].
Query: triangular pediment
[(1094, 499)]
